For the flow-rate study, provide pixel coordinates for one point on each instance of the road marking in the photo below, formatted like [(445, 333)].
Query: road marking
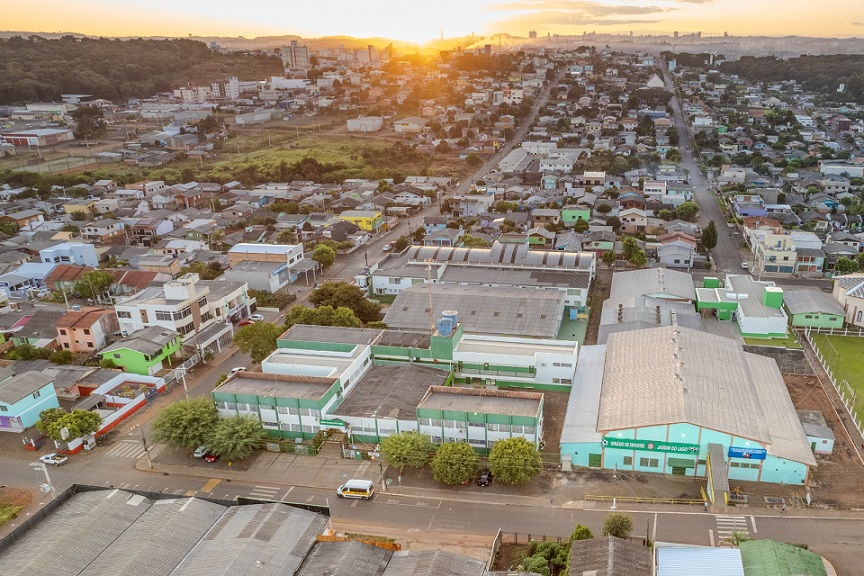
[(127, 449), (753, 524), (711, 537), (267, 492), (310, 498), (178, 492), (654, 530), (419, 503), (191, 492), (286, 493), (727, 524), (208, 487)]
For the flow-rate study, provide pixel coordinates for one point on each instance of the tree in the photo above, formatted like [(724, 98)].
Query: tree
[(236, 437), (78, 215), (473, 160), (639, 258), (406, 449), (454, 463), (61, 357), (27, 351), (78, 423), (709, 236), (94, 284), (514, 461), (846, 265), (470, 241), (860, 260), (687, 211), (401, 243), (108, 364), (581, 226), (629, 247), (209, 271), (186, 423), (614, 222), (323, 316), (324, 255), (89, 122), (258, 340), (618, 524), (609, 257), (581, 532), (349, 295), (9, 228), (603, 209)]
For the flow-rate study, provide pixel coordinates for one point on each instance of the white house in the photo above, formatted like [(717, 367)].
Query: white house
[(365, 124), (70, 253)]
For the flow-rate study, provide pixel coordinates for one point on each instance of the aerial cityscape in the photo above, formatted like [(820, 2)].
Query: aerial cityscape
[(535, 287)]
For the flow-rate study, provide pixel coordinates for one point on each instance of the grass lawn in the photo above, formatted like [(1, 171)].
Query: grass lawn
[(8, 512), (844, 355), (788, 342)]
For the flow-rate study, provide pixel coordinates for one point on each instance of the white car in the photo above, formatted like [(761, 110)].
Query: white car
[(238, 369), (54, 459), (257, 317), (388, 247), (745, 266)]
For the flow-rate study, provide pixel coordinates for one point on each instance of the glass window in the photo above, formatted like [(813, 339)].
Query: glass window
[(628, 460), (649, 462), (124, 314)]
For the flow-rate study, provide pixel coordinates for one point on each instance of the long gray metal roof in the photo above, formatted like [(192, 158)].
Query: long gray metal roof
[(261, 539), (345, 559), (433, 563), (482, 310), (809, 301), (656, 282), (673, 374)]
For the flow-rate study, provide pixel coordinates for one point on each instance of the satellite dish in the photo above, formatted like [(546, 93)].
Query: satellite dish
[(46, 488)]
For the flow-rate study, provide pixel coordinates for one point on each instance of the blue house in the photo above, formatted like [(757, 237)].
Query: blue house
[(749, 205), (434, 224), (23, 397)]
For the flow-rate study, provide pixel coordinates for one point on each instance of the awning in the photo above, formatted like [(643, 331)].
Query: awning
[(681, 463)]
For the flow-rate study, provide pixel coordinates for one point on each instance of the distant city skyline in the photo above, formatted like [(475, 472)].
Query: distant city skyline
[(420, 22)]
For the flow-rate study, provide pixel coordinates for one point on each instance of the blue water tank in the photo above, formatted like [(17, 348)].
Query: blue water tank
[(452, 314), (445, 327)]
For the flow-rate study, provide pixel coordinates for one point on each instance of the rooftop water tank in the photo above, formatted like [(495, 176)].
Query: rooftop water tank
[(452, 314), (445, 326)]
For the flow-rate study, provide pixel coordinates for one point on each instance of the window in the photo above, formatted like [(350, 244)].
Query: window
[(562, 365), (37, 394), (628, 460), (202, 301), (3, 409), (166, 316), (116, 355), (123, 314), (65, 345), (62, 332), (649, 462), (87, 331), (89, 344), (395, 280)]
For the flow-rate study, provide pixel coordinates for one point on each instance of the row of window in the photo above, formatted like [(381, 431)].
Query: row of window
[(562, 380), (748, 465), (460, 425)]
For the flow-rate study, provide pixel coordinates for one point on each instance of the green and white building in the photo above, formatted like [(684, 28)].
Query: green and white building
[(814, 309), (757, 307), (145, 351)]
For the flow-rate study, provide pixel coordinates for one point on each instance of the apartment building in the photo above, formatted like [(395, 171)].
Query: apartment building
[(86, 330)]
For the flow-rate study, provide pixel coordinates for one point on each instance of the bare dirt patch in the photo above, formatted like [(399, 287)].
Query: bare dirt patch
[(16, 496), (599, 294), (837, 478)]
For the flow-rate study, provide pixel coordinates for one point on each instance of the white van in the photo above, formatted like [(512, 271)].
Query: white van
[(356, 489)]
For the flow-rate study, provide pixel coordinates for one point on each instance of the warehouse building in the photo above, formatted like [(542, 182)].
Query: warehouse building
[(678, 401)]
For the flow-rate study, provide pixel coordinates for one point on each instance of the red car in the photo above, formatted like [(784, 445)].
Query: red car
[(211, 458), (246, 323)]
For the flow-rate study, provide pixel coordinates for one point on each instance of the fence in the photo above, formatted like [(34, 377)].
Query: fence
[(836, 332), (493, 554), (644, 500), (847, 395), (172, 377)]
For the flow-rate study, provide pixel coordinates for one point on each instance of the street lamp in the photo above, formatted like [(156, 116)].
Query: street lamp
[(47, 486)]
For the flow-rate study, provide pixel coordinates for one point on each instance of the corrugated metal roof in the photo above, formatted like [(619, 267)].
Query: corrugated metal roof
[(345, 559), (769, 558), (809, 301), (609, 556), (698, 561), (433, 563), (580, 420)]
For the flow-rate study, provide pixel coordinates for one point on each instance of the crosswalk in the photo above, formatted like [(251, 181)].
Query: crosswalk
[(127, 449), (264, 492), (727, 524)]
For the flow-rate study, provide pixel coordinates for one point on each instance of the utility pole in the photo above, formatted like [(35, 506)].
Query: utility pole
[(48, 486), (146, 449), (183, 377)]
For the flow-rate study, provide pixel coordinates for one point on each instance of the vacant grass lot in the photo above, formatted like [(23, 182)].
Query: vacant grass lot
[(844, 356)]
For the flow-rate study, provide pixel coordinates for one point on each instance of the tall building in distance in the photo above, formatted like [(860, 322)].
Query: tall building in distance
[(532, 34), (295, 56)]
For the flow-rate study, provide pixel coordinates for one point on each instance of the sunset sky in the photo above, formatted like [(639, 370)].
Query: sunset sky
[(419, 22)]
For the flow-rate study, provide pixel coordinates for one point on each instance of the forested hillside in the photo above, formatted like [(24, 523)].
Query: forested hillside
[(35, 69), (822, 74)]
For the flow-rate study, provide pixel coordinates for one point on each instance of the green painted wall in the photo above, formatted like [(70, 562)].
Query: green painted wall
[(571, 215), (817, 320), (136, 363)]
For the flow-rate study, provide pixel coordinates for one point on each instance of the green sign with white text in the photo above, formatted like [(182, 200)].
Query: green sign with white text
[(337, 423), (650, 445)]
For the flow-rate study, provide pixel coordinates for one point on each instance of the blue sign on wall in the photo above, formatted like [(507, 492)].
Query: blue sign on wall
[(751, 453)]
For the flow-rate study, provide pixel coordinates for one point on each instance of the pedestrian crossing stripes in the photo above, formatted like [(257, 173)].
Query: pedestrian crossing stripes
[(727, 524), (127, 449), (265, 492)]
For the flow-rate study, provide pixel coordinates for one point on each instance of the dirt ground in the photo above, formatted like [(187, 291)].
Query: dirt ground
[(837, 478), (16, 496), (599, 293)]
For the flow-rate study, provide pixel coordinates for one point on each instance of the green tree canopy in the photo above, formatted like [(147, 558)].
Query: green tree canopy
[(581, 532), (454, 463), (846, 265), (236, 437), (209, 271), (94, 284), (324, 255), (349, 295), (323, 316), (78, 422), (470, 241), (709, 236), (515, 461), (473, 160), (687, 211), (89, 122), (609, 257), (28, 352), (186, 423), (258, 340), (401, 243), (618, 524), (406, 449), (639, 258)]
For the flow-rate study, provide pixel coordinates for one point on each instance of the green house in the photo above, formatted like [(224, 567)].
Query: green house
[(572, 215), (813, 309), (145, 351)]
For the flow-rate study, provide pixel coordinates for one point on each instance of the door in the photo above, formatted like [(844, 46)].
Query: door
[(594, 460), (679, 471)]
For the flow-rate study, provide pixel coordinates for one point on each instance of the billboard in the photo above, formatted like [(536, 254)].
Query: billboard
[(750, 453), (651, 445)]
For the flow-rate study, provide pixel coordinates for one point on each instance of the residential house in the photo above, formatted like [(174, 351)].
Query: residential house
[(542, 216), (24, 218), (104, 232), (70, 253), (143, 232), (813, 309), (445, 237), (85, 206), (411, 125), (599, 242), (676, 254), (86, 330), (633, 220), (572, 214), (23, 397), (432, 223), (371, 221), (540, 237), (775, 254), (144, 351), (471, 204), (849, 293)]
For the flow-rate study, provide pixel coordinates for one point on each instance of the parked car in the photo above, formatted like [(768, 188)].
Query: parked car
[(238, 369), (201, 452), (257, 317), (211, 458), (388, 247), (485, 478), (243, 323), (745, 266), (54, 459)]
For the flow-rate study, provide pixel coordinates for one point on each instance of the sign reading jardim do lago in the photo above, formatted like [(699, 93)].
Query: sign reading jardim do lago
[(650, 445)]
